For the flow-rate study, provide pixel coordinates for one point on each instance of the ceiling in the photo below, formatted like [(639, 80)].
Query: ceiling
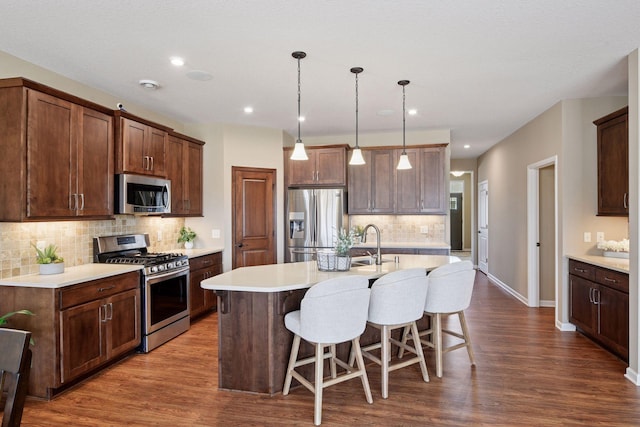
[(481, 68)]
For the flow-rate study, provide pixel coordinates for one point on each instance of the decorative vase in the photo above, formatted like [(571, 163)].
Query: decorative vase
[(188, 245), (53, 268), (613, 254)]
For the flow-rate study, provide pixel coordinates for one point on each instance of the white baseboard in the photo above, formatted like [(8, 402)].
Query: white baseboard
[(565, 327), (508, 289), (547, 303), (632, 376)]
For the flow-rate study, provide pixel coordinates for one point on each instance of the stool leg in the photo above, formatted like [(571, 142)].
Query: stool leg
[(292, 361), (385, 352), (418, 346), (405, 335), (467, 338), (355, 346), (317, 405), (437, 342), (332, 361)]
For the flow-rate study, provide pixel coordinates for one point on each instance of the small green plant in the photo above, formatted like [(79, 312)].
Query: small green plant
[(344, 242), (358, 230), (4, 317), (47, 255), (186, 235)]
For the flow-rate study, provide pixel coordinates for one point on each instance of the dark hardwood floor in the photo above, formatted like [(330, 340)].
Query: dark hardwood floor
[(527, 373)]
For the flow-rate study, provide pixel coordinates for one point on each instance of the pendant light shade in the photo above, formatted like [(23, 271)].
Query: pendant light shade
[(298, 151), (356, 156), (403, 163)]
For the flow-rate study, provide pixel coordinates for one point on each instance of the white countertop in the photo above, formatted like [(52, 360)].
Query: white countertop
[(71, 276), (301, 275), (196, 252), (616, 264)]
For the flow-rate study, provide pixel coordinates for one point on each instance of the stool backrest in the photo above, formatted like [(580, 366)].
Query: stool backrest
[(398, 297), (335, 310), (450, 288), (15, 362)]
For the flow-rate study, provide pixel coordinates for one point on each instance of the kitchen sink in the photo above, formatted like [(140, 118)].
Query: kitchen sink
[(359, 262)]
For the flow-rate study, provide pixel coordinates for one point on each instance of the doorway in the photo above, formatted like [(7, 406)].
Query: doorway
[(253, 218), (542, 230)]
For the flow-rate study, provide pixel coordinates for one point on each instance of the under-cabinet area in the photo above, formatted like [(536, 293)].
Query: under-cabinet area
[(76, 328), (599, 305), (201, 268)]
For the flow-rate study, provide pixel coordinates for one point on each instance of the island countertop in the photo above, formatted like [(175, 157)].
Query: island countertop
[(301, 275)]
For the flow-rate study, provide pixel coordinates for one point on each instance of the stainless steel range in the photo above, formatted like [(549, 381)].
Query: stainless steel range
[(165, 285)]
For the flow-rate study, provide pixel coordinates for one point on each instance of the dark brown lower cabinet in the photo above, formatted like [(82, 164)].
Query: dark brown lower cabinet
[(600, 305), (202, 300)]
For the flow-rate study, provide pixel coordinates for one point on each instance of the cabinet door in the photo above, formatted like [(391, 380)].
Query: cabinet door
[(51, 152), (175, 172), (193, 177), (302, 172), (613, 329), (583, 313), (133, 146), (382, 186), (359, 200), (330, 166), (432, 179), (95, 164), (123, 322), (196, 296), (613, 167), (82, 341), (408, 188), (155, 146)]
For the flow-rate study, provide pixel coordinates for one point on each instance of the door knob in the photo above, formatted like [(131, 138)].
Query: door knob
[(239, 245)]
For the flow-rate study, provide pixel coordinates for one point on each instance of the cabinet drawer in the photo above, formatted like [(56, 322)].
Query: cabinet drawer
[(205, 261), (582, 269), (613, 279), (97, 289)]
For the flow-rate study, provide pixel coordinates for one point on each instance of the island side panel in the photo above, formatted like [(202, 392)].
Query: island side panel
[(253, 343)]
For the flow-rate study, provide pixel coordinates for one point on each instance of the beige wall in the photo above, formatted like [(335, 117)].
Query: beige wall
[(566, 131)]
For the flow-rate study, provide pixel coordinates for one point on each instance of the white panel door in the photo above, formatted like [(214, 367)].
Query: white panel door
[(483, 227)]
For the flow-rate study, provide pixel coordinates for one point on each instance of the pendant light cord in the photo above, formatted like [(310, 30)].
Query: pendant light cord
[(403, 123), (357, 146), (299, 100)]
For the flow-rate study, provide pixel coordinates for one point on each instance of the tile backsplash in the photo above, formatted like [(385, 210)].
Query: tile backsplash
[(404, 228), (74, 239)]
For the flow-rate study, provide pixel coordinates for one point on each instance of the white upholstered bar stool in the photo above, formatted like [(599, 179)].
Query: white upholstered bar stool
[(331, 312), (397, 301), (449, 292)]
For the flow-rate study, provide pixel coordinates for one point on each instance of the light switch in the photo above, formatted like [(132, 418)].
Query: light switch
[(587, 236), (600, 236), (159, 235), (215, 233), (424, 229)]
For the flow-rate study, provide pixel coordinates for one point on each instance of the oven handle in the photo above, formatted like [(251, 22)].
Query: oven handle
[(170, 275)]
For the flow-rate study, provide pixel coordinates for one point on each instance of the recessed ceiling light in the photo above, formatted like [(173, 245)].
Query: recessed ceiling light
[(199, 75), (177, 61), (467, 146), (248, 110), (412, 112), (301, 119), (149, 84)]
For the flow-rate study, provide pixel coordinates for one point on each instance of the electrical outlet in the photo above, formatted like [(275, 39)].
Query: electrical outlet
[(215, 233), (424, 229), (600, 236), (159, 235), (587, 236)]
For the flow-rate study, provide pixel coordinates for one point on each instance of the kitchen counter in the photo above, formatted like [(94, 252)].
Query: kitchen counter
[(253, 342), (616, 264), (71, 276), (196, 252), (301, 275), (371, 243)]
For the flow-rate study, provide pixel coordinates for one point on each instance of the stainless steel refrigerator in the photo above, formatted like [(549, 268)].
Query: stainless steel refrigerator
[(314, 218)]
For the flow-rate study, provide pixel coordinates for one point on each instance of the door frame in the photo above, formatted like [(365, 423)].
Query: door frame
[(533, 232), (483, 266)]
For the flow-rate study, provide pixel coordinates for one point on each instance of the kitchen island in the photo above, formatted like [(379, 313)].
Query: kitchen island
[(253, 342)]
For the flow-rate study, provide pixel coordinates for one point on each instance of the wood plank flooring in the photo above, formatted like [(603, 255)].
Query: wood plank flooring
[(527, 373)]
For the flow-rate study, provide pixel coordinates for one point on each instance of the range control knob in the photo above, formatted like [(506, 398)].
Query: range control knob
[(154, 269)]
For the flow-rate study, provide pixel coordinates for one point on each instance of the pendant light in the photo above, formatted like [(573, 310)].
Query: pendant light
[(298, 151), (356, 156), (403, 163)]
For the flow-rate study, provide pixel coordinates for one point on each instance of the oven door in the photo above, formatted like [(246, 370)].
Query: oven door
[(166, 299)]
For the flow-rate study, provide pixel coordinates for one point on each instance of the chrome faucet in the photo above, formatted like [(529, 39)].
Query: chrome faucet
[(364, 240)]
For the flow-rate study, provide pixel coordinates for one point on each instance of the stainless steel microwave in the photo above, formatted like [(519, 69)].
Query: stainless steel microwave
[(142, 195)]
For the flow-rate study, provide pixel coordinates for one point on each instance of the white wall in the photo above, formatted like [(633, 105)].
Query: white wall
[(437, 136)]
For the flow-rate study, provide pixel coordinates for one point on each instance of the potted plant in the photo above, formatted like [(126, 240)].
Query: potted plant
[(344, 243), (187, 236), (4, 321), (48, 259), (358, 231)]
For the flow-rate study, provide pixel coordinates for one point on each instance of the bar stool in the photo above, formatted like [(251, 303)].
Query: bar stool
[(449, 292), (397, 301), (331, 312)]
